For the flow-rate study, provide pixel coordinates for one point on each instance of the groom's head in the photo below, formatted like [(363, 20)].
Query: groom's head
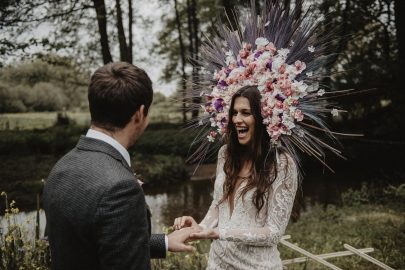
[(116, 92)]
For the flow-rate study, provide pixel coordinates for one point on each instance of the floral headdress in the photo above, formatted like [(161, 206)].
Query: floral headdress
[(284, 53)]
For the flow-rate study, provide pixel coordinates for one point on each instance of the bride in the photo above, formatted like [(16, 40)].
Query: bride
[(253, 195), (263, 97)]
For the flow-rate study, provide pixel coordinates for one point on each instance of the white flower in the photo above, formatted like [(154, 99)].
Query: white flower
[(288, 122), (291, 43), (229, 53), (261, 41), (277, 62), (335, 112), (283, 52), (321, 92), (200, 123), (300, 87), (311, 48), (210, 138), (309, 74), (300, 133)]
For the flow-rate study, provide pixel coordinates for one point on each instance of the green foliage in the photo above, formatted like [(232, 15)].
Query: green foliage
[(361, 222), (50, 84), (53, 141), (160, 169)]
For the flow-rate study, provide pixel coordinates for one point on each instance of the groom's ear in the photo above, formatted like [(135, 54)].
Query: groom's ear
[(139, 115)]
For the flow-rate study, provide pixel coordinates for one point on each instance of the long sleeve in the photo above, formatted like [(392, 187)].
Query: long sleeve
[(278, 212), (157, 246), (122, 228), (210, 220)]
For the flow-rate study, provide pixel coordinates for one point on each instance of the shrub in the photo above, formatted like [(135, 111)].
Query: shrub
[(160, 169), (17, 249)]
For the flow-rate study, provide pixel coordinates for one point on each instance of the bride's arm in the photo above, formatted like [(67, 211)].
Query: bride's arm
[(278, 212), (210, 220)]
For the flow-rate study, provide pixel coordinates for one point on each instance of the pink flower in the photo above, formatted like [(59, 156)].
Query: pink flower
[(287, 91), (282, 69), (247, 46), (279, 104), (269, 86), (244, 53), (300, 66), (270, 47), (298, 115)]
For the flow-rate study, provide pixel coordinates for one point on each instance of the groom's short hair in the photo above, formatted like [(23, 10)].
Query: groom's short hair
[(116, 91)]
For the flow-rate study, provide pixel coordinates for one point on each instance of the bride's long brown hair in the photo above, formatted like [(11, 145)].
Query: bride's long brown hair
[(263, 171)]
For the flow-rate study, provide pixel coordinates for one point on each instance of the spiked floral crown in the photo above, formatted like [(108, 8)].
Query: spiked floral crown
[(284, 53)]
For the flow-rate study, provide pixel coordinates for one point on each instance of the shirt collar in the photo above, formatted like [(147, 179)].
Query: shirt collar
[(91, 133)]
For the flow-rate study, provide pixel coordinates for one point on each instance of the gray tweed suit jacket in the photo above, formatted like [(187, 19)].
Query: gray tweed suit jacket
[(96, 213)]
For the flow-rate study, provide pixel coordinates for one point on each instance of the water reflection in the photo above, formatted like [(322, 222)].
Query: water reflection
[(26, 221), (191, 198)]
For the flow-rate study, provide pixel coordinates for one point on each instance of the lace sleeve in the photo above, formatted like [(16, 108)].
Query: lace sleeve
[(278, 212), (210, 220)]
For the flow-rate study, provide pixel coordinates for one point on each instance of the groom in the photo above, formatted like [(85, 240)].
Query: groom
[(95, 207)]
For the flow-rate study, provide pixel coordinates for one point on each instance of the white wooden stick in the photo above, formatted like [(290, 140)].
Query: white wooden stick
[(326, 256), (367, 257), (308, 254)]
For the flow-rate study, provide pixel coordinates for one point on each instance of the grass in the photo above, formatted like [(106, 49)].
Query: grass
[(43, 120), (379, 224)]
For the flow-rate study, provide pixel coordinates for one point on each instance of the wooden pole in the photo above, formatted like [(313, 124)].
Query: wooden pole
[(367, 257), (308, 254), (326, 256)]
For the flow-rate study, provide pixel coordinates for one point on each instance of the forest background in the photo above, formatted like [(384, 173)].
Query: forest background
[(49, 48)]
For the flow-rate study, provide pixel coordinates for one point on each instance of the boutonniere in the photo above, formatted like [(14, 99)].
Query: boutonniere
[(139, 178)]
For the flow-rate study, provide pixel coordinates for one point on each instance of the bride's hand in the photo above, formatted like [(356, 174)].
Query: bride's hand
[(184, 221), (205, 234)]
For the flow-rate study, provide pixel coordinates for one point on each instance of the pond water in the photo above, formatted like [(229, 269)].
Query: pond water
[(194, 197)]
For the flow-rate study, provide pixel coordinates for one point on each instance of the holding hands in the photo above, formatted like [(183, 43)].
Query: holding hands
[(197, 232)]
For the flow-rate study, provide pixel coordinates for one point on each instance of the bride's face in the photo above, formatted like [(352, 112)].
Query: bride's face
[(243, 120)]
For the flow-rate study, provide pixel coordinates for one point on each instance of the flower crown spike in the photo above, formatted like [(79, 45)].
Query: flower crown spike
[(285, 55)]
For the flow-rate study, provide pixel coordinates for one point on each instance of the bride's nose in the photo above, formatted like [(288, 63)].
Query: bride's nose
[(237, 119)]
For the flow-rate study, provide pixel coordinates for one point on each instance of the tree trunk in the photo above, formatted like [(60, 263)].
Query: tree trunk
[(399, 8), (183, 62), (99, 6), (130, 34), (195, 23), (121, 34)]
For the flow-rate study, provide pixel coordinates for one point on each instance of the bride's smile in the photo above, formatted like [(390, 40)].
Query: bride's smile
[(243, 120)]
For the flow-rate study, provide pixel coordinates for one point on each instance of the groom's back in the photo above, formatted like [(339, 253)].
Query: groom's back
[(72, 193)]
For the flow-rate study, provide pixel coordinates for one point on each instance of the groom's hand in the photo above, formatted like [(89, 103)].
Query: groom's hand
[(177, 240)]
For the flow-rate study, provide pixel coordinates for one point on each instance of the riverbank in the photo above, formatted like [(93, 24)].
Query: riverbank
[(367, 218), (27, 156)]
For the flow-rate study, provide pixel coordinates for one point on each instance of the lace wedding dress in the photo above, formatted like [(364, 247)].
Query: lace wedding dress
[(247, 243)]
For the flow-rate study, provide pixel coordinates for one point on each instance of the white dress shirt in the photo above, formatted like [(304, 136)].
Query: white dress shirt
[(91, 133)]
